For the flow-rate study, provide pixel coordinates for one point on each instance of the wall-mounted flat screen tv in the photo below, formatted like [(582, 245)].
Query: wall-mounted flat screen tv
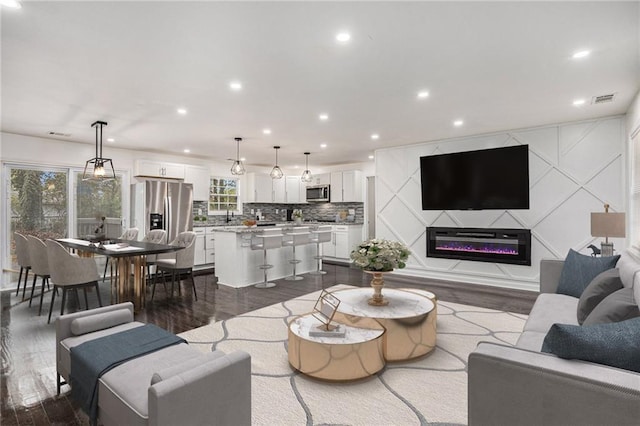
[(495, 178)]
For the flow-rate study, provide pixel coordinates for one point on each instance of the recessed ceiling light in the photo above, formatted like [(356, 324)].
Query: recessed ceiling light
[(111, 140), (181, 111), (243, 159), (187, 150), (578, 102), (423, 94), (458, 123), (375, 136), (581, 54), (323, 145), (13, 4), (324, 117), (267, 131), (343, 37), (296, 167), (235, 85), (371, 157)]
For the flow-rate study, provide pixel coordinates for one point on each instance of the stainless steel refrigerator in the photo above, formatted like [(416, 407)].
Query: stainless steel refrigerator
[(162, 205)]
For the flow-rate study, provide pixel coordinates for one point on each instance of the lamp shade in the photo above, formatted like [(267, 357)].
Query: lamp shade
[(608, 225)]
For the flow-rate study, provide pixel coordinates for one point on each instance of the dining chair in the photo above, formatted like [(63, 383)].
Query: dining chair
[(155, 236), (22, 253), (70, 272), (39, 266), (130, 234), (179, 262)]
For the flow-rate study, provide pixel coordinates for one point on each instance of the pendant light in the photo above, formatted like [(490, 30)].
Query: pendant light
[(276, 172), (99, 168), (306, 175), (237, 168)]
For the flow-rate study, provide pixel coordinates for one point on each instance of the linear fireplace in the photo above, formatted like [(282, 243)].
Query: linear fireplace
[(480, 244)]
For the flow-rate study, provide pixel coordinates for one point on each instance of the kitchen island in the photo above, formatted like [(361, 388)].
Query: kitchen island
[(237, 265)]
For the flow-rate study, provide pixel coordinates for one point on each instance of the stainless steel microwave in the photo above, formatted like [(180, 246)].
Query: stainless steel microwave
[(318, 194)]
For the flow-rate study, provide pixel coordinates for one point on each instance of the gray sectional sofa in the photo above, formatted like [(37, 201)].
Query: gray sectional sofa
[(177, 385), (522, 385)]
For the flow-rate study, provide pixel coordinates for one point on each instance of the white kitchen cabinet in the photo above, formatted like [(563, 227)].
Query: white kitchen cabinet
[(259, 188), (343, 250), (278, 186), (320, 179), (159, 169), (292, 189), (209, 245), (205, 250), (336, 187), (346, 186), (199, 258), (200, 178), (343, 239)]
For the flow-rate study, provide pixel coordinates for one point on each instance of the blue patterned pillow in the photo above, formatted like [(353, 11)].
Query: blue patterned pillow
[(616, 344), (579, 270)]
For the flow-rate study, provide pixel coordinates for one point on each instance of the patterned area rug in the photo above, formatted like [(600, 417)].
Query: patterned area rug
[(429, 390)]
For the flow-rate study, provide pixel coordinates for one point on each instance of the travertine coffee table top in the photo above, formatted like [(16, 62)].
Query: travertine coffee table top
[(402, 303), (301, 326)]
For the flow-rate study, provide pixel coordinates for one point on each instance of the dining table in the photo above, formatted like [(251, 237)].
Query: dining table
[(128, 266)]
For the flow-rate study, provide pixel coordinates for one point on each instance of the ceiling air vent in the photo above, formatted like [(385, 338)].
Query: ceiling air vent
[(602, 99), (66, 135)]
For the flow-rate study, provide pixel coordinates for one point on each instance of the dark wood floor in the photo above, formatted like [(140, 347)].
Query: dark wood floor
[(27, 382)]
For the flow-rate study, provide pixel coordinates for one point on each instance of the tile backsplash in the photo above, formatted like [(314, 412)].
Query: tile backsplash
[(271, 212)]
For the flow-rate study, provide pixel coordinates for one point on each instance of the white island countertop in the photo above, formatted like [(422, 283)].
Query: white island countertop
[(241, 229)]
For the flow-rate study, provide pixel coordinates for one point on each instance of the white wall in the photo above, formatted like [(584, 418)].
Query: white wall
[(575, 168)]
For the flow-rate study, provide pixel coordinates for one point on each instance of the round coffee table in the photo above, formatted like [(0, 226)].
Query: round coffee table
[(409, 319), (356, 355)]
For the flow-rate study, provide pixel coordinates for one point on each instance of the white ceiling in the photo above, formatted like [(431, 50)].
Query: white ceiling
[(497, 66)]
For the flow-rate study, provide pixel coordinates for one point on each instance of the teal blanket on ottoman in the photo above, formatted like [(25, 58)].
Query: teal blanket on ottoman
[(90, 360)]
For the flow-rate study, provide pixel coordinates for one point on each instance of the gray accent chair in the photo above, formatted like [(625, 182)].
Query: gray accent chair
[(178, 263), (523, 386), (177, 385), (70, 272), (22, 253), (39, 266)]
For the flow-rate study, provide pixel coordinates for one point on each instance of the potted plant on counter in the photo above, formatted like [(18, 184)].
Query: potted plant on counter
[(376, 257), (297, 216)]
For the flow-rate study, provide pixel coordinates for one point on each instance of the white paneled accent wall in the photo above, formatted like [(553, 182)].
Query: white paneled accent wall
[(574, 169)]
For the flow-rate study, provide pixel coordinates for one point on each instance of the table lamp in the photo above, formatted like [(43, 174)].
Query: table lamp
[(607, 225)]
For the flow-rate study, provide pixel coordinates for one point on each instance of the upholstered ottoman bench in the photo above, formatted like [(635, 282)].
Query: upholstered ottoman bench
[(174, 385)]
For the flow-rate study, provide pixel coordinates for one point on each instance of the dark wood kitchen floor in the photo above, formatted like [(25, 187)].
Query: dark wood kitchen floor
[(27, 382)]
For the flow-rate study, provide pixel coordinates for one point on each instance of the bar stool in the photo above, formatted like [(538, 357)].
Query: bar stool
[(268, 239), (320, 235), (299, 236)]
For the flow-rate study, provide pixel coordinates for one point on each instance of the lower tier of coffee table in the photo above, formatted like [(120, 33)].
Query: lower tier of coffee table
[(357, 355)]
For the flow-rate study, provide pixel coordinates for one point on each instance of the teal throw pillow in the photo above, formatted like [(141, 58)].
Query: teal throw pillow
[(615, 344), (579, 270)]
